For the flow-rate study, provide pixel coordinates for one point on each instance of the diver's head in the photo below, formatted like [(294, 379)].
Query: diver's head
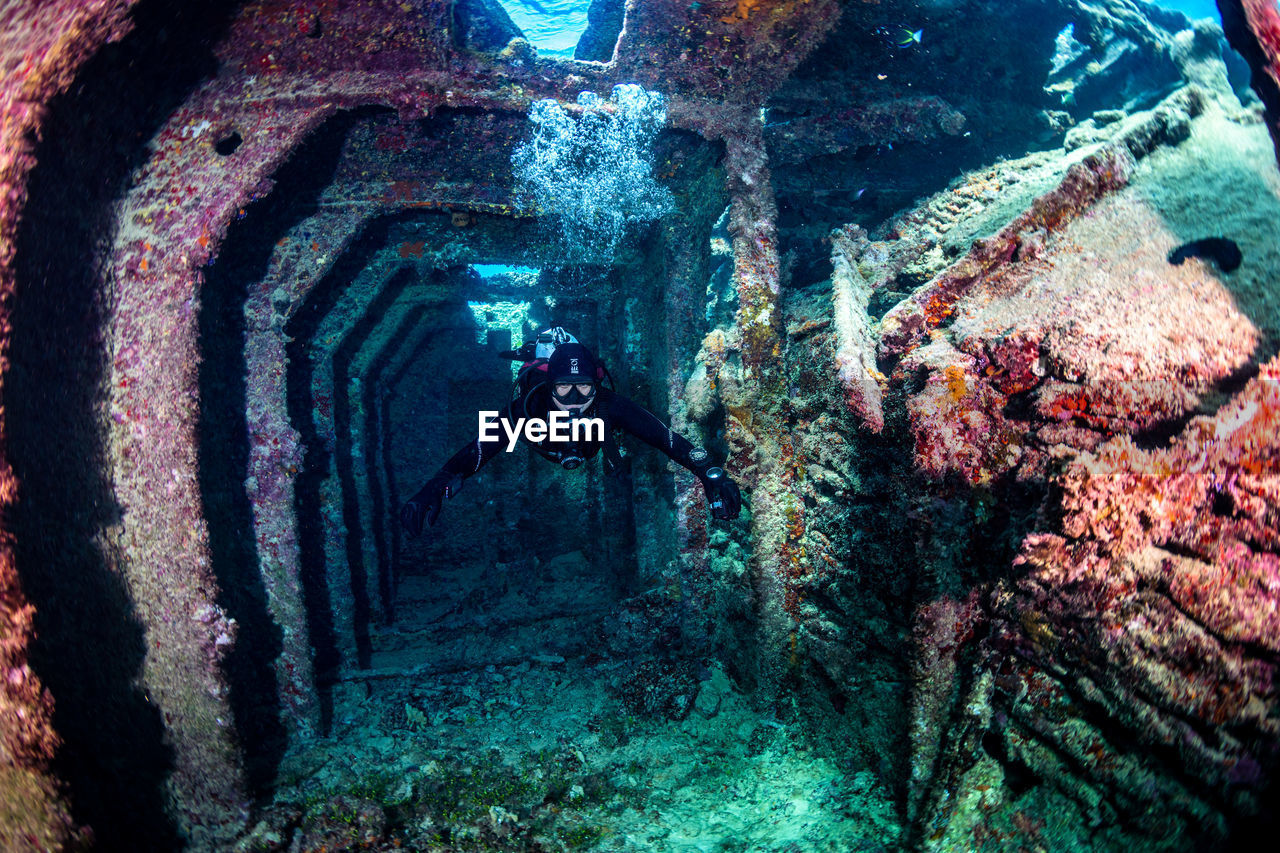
[(574, 377)]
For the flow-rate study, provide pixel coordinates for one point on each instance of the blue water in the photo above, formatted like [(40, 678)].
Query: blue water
[(490, 270), (1193, 8), (552, 26)]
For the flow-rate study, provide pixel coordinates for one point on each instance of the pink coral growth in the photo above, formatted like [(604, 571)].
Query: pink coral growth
[(42, 47), (1085, 183), (1160, 602)]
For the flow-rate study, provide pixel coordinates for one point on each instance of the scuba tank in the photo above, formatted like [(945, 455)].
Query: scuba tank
[(535, 354), (540, 347)]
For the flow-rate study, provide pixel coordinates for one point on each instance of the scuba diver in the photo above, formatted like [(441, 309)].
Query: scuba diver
[(559, 386)]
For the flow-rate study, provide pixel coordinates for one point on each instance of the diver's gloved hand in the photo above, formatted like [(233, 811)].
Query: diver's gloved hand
[(723, 496), (425, 505)]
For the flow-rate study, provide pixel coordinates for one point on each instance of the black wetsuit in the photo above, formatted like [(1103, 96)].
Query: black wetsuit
[(572, 362), (617, 412)]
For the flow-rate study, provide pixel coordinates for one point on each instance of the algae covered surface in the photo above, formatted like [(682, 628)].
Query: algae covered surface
[(563, 742), (570, 745), (535, 757)]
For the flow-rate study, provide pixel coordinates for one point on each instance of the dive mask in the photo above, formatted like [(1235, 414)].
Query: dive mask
[(573, 397)]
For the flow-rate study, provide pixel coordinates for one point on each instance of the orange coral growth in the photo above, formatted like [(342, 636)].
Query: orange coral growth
[(777, 10), (956, 385), (939, 307)]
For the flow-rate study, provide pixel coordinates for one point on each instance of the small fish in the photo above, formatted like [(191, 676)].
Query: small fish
[(906, 38), (1223, 252), (858, 195)]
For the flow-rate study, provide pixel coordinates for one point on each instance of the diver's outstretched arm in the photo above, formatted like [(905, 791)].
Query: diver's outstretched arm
[(722, 492), (425, 505)]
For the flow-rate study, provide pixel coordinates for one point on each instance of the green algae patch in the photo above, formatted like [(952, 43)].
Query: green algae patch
[(31, 815), (551, 758)]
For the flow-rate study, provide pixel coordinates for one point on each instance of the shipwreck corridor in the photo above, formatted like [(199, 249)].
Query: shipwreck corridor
[(983, 322), (345, 334)]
